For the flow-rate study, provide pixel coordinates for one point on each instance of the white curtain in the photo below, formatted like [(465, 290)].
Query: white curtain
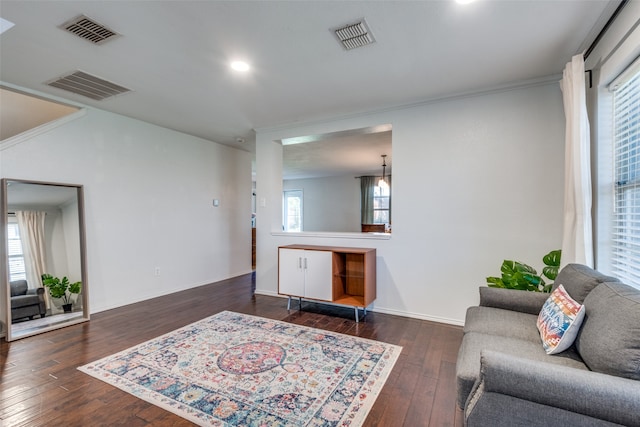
[(577, 241), (31, 228)]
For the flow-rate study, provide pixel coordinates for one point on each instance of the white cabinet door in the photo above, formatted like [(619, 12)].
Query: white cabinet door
[(291, 272), (318, 275)]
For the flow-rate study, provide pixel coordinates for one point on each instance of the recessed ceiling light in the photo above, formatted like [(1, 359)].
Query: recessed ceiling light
[(240, 66)]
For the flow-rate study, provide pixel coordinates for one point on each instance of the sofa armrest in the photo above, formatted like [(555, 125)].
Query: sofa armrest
[(512, 299), (586, 393), (36, 291)]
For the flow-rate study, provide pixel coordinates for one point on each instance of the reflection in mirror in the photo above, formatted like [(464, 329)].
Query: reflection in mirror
[(45, 277), (332, 182), (22, 112)]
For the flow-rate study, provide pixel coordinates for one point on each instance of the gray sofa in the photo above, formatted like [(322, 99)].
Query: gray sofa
[(505, 378), (26, 302)]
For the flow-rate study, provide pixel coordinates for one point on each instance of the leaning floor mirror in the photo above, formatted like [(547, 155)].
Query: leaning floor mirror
[(44, 257)]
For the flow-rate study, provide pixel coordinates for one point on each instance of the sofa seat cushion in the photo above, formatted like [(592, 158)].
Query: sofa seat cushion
[(609, 340), (504, 323), (473, 343), (24, 301), (579, 280)]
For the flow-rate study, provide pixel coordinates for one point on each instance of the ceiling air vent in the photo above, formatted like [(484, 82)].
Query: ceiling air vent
[(87, 85), (354, 35), (88, 29)]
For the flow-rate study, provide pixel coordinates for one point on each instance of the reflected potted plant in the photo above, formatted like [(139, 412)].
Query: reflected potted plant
[(61, 288)]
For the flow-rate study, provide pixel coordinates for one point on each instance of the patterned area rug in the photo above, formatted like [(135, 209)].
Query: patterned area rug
[(233, 369)]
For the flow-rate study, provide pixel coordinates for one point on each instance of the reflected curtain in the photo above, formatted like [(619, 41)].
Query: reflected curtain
[(577, 240), (367, 183), (31, 228), (388, 178)]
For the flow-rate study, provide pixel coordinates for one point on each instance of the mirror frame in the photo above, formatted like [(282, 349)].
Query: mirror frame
[(4, 269)]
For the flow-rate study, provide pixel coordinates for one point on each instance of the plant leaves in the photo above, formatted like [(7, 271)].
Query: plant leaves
[(550, 272), (58, 287), (495, 282), (552, 262), (552, 259), (533, 279), (517, 275), (524, 268), (74, 288), (508, 267)]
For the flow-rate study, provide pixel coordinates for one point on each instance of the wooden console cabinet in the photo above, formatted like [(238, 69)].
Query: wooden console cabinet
[(345, 276)]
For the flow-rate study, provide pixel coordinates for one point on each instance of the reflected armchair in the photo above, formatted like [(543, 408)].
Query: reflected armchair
[(26, 302)]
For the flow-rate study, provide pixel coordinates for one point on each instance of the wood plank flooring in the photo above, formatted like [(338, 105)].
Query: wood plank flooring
[(40, 385)]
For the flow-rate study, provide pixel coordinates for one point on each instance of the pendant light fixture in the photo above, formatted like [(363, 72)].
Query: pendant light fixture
[(383, 182)]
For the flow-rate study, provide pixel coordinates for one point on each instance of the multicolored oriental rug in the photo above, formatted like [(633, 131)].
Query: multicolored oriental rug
[(233, 369)]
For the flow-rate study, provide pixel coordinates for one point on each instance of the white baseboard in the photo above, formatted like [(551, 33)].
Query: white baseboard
[(446, 320)]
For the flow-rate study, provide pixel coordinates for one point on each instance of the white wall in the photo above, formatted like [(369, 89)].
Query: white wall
[(148, 203), (329, 203), (71, 227), (475, 180)]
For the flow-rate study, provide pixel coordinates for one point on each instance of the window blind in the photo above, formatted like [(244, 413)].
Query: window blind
[(626, 227), (17, 268)]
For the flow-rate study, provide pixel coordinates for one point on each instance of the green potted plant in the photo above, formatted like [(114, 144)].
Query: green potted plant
[(61, 288), (517, 275)]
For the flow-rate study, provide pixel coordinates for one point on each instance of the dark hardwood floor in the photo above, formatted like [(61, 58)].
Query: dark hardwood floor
[(40, 385)]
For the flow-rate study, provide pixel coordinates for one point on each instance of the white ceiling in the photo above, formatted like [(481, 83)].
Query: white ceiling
[(356, 153), (174, 55), (31, 195)]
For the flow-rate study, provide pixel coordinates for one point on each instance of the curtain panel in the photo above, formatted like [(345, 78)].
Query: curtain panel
[(577, 240), (367, 183), (367, 191), (31, 228)]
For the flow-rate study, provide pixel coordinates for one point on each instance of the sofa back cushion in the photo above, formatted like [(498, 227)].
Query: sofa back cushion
[(18, 287), (579, 280), (609, 340)]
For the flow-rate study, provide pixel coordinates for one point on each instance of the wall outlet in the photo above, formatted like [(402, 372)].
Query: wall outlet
[(157, 271)]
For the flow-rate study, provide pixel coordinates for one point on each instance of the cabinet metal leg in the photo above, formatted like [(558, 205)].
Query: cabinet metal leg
[(356, 309), (289, 303)]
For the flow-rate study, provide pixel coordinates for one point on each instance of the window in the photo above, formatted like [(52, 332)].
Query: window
[(625, 249), (292, 210), (381, 195), (16, 258)]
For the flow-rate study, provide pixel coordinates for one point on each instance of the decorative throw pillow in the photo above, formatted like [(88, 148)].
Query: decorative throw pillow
[(559, 321)]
